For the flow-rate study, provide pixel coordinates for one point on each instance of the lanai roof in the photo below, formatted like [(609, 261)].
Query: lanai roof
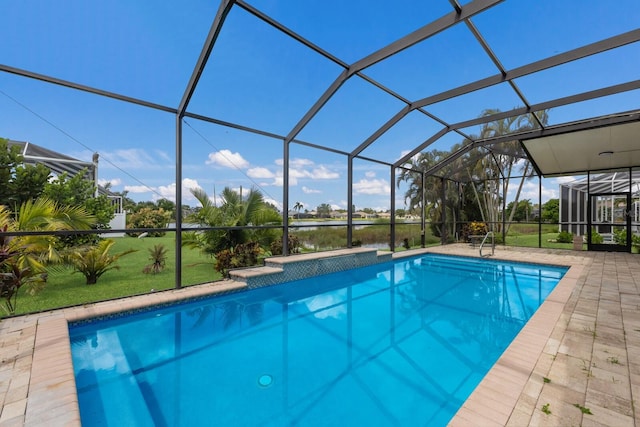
[(57, 162), (590, 79)]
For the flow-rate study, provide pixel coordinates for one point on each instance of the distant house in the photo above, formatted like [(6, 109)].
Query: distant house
[(59, 163), (362, 214), (300, 215)]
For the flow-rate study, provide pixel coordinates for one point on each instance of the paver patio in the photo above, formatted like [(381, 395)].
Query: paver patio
[(577, 362)]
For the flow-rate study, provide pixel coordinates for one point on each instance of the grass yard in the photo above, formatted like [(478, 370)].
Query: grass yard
[(526, 235), (65, 288), (531, 241)]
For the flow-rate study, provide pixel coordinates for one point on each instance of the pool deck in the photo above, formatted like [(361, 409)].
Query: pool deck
[(579, 353)]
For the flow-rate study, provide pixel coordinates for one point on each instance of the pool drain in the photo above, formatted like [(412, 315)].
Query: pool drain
[(265, 380)]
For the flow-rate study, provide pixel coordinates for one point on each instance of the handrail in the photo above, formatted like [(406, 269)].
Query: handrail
[(493, 242)]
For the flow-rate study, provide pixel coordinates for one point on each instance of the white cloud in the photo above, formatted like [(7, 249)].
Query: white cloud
[(530, 192), (273, 202), (307, 190), (299, 173), (370, 174), (260, 173), (296, 162), (565, 179), (336, 207), (137, 189), (227, 159), (298, 170), (112, 181), (374, 186), (164, 156), (166, 191), (322, 172)]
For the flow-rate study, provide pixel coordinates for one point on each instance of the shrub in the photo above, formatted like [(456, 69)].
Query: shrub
[(293, 243), (620, 237), (242, 255), (596, 238), (148, 218), (474, 228), (565, 237)]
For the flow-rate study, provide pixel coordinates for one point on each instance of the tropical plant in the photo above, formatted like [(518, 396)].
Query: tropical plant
[(293, 244), (94, 261), (23, 258), (158, 256), (232, 222), (17, 270), (242, 255)]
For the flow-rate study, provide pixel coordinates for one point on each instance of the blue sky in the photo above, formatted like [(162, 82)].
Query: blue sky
[(259, 78)]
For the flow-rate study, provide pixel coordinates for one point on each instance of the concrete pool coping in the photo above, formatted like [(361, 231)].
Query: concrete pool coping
[(579, 352)]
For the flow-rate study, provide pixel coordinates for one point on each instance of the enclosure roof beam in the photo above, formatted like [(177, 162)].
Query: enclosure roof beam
[(269, 20), (422, 146), (399, 45), (610, 90), (388, 125), (585, 96), (84, 88), (485, 46), (214, 31), (423, 33), (628, 117), (563, 58)]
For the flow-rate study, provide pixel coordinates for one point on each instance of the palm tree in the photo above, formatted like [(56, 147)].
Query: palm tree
[(510, 158), (432, 191), (235, 212), (482, 170), (23, 258), (298, 207)]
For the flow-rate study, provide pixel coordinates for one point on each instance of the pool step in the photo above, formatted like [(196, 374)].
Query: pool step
[(246, 275), (300, 266)]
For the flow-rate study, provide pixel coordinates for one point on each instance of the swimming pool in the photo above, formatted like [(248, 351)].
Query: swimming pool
[(401, 343)]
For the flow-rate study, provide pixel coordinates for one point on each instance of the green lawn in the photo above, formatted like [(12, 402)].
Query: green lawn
[(526, 235), (65, 288), (531, 241)]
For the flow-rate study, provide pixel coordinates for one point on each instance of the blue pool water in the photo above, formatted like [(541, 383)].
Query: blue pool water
[(396, 344)]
